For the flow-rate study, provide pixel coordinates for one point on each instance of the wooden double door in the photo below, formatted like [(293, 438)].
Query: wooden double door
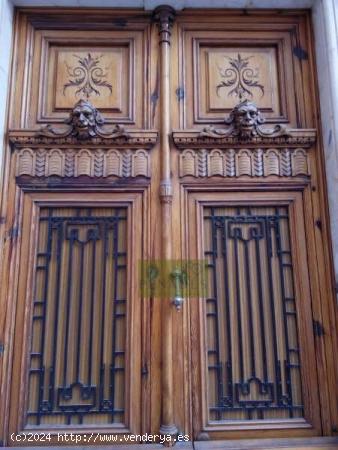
[(166, 256)]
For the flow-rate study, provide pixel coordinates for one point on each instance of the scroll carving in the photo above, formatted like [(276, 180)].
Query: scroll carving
[(240, 77)]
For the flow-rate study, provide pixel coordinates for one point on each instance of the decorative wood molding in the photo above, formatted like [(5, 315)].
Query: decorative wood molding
[(238, 162), (136, 139), (71, 162), (244, 148), (202, 139), (83, 149)]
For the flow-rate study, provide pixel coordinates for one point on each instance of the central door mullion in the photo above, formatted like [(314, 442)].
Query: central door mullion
[(164, 16)]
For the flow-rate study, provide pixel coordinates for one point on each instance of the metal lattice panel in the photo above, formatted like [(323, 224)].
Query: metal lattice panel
[(253, 350), (77, 359)]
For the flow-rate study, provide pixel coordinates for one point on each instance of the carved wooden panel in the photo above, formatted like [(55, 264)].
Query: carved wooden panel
[(232, 73), (103, 74), (99, 74), (222, 66), (105, 67)]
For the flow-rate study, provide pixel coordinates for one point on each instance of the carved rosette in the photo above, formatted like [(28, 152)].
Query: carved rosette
[(244, 148), (83, 149)]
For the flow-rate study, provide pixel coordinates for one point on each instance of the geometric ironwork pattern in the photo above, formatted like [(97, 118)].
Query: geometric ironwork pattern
[(77, 358), (252, 342)]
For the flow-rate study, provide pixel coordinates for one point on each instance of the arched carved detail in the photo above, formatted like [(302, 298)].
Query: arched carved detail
[(272, 162), (140, 164), (188, 163), (26, 162), (215, 163), (113, 163), (84, 163), (300, 165), (55, 163)]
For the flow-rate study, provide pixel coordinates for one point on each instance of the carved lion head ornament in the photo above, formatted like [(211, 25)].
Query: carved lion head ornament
[(85, 122), (245, 122)]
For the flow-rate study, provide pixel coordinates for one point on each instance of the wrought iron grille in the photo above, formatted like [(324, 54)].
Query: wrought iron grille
[(252, 343), (77, 359)]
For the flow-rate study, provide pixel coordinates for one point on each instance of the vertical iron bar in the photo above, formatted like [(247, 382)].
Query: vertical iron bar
[(60, 229), (272, 299), (239, 311), (261, 309), (249, 302), (103, 309), (89, 380), (68, 302), (227, 306), (79, 320)]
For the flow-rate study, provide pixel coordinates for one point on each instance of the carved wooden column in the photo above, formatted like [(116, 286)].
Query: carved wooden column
[(164, 16)]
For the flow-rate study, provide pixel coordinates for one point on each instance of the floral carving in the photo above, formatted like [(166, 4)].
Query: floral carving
[(85, 122), (245, 122), (87, 76), (239, 76)]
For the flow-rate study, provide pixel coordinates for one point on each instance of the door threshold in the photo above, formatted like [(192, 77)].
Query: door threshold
[(316, 443), (181, 445)]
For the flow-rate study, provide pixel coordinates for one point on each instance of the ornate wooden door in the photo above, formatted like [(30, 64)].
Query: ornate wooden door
[(82, 130), (249, 200), (165, 229)]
